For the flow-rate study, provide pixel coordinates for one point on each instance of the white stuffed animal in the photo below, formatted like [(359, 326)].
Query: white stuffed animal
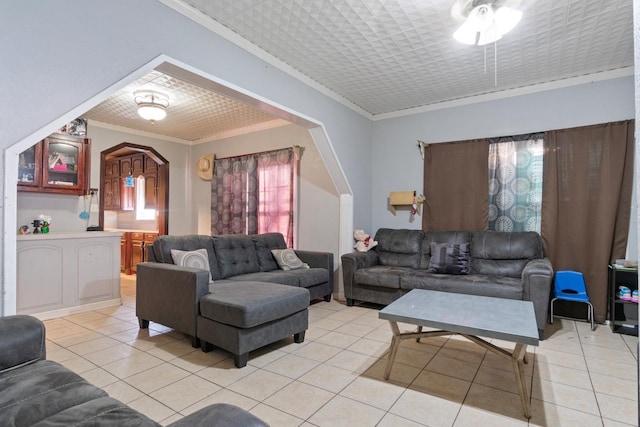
[(364, 242)]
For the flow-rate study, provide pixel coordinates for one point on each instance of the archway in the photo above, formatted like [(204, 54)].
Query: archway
[(161, 183), (170, 66)]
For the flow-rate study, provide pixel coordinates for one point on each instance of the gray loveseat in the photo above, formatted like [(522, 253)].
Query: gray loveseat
[(504, 265), (170, 295), (39, 392)]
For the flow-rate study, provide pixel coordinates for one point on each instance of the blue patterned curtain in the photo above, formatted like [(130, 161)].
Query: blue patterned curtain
[(515, 183)]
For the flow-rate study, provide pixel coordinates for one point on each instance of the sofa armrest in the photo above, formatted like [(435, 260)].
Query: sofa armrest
[(537, 279), (360, 259), (220, 415), (351, 262), (169, 294), (23, 341), (317, 259)]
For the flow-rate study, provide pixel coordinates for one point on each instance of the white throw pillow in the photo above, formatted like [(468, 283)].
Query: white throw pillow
[(195, 259), (287, 259)]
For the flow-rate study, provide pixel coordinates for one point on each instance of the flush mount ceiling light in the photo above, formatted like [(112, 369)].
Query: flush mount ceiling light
[(151, 105), (485, 22)]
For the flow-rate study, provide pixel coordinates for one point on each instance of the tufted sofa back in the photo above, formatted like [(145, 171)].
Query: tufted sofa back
[(502, 253), (229, 254), (492, 252), (162, 246), (399, 248)]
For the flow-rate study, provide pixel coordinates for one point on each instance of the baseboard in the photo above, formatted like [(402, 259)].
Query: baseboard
[(67, 311)]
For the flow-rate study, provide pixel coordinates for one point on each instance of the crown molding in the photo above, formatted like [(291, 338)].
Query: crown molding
[(271, 124), (510, 93)]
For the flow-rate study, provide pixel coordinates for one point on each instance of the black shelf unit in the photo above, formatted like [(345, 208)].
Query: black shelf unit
[(623, 315)]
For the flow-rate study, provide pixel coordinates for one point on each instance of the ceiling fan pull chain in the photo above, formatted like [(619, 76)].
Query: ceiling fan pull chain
[(495, 64), (485, 59)]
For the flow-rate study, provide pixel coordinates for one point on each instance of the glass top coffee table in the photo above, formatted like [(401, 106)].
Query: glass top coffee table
[(470, 316)]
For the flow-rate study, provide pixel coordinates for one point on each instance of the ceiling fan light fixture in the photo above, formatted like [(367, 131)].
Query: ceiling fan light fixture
[(506, 19), (152, 105), (484, 25)]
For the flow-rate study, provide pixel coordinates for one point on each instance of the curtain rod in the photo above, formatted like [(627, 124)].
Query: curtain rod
[(296, 149)]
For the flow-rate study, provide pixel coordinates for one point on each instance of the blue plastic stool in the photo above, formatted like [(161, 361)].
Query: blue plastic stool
[(569, 286)]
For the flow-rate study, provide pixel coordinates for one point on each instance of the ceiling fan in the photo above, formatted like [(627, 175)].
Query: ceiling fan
[(484, 21)]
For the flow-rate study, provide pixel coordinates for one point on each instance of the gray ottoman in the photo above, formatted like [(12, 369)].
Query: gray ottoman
[(243, 315)]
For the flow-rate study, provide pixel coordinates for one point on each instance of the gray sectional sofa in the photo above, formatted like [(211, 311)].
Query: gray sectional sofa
[(39, 392), (171, 295), (499, 264)]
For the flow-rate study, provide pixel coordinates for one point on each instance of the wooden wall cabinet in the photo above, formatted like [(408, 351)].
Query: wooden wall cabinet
[(58, 164), (151, 190), (119, 196), (111, 191)]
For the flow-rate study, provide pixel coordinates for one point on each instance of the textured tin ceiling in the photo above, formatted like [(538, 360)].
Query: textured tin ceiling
[(193, 114), (389, 55), (382, 57)]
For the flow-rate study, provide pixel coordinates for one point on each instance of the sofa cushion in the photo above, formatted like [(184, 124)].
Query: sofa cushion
[(474, 284), (288, 260), (163, 245), (193, 259), (36, 391), (379, 275), (311, 277), (249, 304), (275, 276), (503, 253), (399, 248), (265, 243), (236, 254), (104, 411), (449, 258), (440, 237)]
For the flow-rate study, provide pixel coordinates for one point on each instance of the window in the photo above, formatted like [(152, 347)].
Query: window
[(141, 212), (515, 183), (255, 193)]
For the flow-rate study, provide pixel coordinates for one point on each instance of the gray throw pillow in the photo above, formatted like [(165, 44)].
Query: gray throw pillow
[(449, 258), (288, 260), (195, 259)]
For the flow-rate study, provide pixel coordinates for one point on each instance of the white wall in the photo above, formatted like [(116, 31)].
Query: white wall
[(48, 73), (319, 216), (397, 165)]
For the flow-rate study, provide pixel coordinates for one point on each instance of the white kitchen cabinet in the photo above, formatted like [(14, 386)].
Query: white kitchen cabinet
[(65, 273)]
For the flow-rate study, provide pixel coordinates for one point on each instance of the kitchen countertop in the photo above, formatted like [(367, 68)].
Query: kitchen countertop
[(131, 230), (69, 235)]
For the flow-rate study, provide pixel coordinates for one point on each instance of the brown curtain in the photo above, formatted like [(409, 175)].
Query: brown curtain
[(586, 204), (456, 186)]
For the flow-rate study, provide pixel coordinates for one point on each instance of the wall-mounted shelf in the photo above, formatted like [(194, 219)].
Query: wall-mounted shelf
[(405, 199)]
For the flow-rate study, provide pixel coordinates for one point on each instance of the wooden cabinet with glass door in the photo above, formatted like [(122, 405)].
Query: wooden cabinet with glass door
[(58, 164)]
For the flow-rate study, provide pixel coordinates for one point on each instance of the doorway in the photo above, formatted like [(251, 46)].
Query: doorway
[(154, 169)]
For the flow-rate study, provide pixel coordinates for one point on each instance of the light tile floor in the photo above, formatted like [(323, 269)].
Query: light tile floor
[(575, 377)]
